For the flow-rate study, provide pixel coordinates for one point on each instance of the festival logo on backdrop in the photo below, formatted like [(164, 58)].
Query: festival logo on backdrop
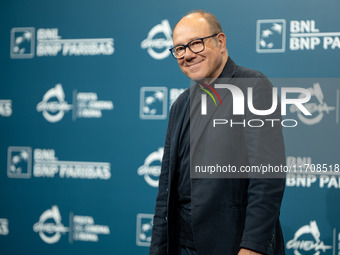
[(316, 106), (308, 240), (151, 169), (54, 106), (49, 226), (159, 41), (81, 228)]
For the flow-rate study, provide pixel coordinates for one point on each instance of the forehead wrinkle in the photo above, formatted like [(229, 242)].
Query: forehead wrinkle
[(184, 33)]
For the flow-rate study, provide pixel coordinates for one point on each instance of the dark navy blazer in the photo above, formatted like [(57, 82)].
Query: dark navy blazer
[(227, 213)]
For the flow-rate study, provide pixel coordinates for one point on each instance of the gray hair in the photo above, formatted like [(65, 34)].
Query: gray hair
[(214, 24)]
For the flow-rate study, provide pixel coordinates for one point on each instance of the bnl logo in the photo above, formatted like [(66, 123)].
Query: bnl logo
[(271, 36), (22, 42), (19, 162), (4, 227), (153, 103), (144, 229)]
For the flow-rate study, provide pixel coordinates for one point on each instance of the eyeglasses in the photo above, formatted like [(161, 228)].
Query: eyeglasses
[(196, 46)]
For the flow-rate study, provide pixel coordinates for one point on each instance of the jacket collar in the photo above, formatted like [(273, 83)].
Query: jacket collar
[(228, 70)]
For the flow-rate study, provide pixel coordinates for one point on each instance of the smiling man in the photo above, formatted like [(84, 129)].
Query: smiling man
[(207, 63), (216, 216)]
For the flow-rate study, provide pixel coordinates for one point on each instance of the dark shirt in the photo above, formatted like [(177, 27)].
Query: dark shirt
[(182, 178)]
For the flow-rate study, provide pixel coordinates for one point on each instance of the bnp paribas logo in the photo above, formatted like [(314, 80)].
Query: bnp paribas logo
[(271, 36), (153, 103), (22, 42), (301, 35)]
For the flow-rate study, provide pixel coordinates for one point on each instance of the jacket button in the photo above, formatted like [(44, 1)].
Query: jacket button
[(166, 218), (167, 190)]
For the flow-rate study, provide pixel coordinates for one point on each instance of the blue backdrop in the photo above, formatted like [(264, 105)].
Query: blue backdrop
[(85, 92)]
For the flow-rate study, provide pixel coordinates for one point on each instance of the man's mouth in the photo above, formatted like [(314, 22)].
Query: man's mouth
[(193, 64)]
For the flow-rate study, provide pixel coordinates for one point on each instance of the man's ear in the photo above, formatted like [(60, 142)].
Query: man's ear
[(222, 40)]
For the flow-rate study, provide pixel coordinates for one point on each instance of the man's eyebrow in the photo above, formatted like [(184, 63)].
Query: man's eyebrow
[(178, 45)]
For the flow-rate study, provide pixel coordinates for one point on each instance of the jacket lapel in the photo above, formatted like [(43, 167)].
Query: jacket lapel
[(196, 131)]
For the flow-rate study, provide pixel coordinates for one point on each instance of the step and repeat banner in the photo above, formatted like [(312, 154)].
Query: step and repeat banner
[(85, 93)]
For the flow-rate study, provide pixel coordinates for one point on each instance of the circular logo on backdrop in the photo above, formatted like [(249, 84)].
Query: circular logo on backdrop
[(307, 241), (316, 106), (49, 226), (54, 110), (151, 168), (158, 47)]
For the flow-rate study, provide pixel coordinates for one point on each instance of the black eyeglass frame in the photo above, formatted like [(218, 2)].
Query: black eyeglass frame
[(187, 46)]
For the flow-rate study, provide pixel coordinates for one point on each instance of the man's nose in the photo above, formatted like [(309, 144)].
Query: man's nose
[(189, 55)]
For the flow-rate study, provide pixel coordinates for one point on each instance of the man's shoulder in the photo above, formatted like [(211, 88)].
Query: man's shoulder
[(232, 70), (179, 107), (246, 77), (243, 72), (181, 99)]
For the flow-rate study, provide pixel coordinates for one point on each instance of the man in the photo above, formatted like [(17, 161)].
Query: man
[(216, 216)]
